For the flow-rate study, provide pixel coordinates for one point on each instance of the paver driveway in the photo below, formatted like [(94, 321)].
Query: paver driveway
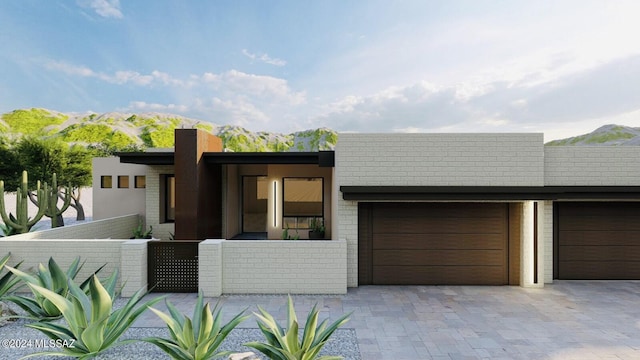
[(564, 320)]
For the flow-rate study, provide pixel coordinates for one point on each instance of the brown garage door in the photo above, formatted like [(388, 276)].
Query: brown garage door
[(597, 240), (433, 243)]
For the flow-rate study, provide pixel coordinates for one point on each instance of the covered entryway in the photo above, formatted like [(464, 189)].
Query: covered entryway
[(597, 240), (437, 243)]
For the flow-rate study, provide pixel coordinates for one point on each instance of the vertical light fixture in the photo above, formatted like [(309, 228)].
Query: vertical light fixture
[(275, 204)]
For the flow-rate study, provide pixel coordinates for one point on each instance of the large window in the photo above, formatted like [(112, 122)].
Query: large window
[(303, 201)]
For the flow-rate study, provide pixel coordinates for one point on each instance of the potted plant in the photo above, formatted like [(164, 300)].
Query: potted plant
[(316, 230)]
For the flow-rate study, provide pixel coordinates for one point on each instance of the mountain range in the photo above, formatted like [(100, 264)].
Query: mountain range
[(117, 130), (146, 130)]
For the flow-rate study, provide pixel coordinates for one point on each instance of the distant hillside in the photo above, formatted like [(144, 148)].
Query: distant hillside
[(604, 135), (122, 130)]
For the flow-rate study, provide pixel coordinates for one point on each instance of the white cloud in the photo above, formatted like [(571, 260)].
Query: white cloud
[(265, 58), (104, 8), (144, 106), (602, 92)]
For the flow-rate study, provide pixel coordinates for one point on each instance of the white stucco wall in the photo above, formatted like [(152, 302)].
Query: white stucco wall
[(113, 201)]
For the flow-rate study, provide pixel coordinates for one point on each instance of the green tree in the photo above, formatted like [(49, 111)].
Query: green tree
[(10, 168), (43, 157)]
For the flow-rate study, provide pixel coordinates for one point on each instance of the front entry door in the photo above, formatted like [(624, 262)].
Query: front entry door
[(254, 204)]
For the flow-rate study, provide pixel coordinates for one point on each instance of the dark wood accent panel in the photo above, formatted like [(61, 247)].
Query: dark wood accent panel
[(198, 186), (365, 265), (433, 243), (515, 229), (438, 275), (597, 240)]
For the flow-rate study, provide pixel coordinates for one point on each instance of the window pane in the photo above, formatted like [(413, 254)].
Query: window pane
[(123, 181), (302, 197), (141, 182), (105, 182)]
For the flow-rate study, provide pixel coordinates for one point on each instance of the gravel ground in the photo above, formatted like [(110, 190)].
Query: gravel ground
[(343, 342)]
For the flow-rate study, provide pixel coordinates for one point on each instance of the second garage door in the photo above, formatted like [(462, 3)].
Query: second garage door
[(433, 243), (598, 240)]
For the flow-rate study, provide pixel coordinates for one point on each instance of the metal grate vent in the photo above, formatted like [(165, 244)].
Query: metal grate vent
[(173, 266)]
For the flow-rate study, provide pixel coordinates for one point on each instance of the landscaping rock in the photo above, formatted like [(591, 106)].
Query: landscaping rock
[(244, 356)]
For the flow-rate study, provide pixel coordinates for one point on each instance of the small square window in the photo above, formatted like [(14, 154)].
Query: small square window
[(140, 182), (105, 182), (123, 181)]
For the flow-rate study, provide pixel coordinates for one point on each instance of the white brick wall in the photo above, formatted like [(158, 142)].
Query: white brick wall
[(120, 227), (591, 165), (210, 267), (94, 253), (133, 266), (430, 160), (161, 230), (276, 267), (440, 159), (547, 237)]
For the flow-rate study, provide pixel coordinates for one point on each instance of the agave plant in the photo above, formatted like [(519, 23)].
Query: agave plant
[(285, 344), (8, 281), (53, 278), (197, 338), (90, 326)]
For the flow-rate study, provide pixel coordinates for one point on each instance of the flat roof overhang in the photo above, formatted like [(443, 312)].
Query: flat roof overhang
[(320, 158), (146, 158), (407, 193)]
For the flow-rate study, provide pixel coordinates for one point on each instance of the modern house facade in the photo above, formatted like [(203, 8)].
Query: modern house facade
[(482, 209)]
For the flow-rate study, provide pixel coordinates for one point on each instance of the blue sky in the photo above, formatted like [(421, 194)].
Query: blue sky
[(558, 67)]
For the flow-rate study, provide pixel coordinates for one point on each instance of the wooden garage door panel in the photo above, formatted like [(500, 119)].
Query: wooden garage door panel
[(438, 241), (599, 253), (434, 243), (438, 257), (614, 238), (439, 275), (598, 240), (601, 222), (599, 270), (440, 226), (612, 209), (438, 210)]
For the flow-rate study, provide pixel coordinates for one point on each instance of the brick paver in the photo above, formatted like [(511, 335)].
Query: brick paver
[(564, 320)]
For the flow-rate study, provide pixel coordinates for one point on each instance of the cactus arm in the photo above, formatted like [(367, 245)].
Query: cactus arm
[(51, 198), (3, 212), (41, 210), (21, 222)]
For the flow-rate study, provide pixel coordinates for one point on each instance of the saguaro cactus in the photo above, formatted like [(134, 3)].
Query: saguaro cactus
[(21, 222), (51, 198)]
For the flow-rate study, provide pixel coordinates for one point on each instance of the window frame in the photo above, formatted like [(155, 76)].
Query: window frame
[(135, 182), (106, 180), (301, 222), (123, 181)]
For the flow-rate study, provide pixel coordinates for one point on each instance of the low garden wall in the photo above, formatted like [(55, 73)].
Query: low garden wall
[(120, 227), (272, 267), (94, 253)]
